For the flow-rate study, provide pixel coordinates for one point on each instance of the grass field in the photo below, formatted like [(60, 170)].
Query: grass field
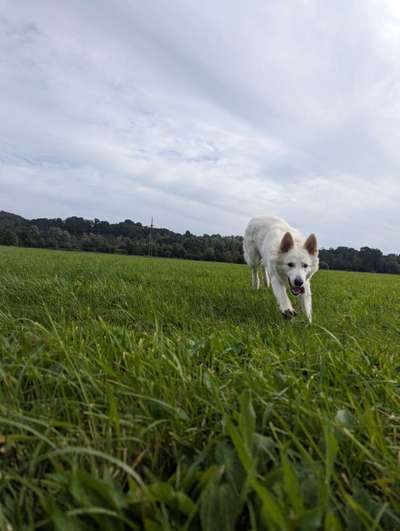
[(156, 394)]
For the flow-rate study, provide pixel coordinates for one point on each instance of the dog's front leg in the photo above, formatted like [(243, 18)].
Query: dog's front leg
[(306, 301), (282, 298)]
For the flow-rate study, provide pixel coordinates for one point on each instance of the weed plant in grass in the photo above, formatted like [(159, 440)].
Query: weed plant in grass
[(156, 394)]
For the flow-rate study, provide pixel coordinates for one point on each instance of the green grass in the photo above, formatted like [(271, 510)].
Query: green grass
[(156, 394)]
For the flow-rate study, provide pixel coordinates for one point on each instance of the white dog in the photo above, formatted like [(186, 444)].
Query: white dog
[(286, 259)]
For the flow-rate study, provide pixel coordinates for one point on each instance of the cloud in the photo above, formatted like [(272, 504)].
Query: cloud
[(204, 114)]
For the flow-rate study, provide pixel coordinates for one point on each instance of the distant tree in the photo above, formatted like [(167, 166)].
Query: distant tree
[(133, 247), (10, 221), (178, 250), (101, 227), (58, 238), (79, 226), (228, 256), (44, 224), (371, 259), (29, 236), (392, 266), (209, 253), (8, 237)]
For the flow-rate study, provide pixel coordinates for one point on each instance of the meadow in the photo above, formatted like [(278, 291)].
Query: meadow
[(161, 394)]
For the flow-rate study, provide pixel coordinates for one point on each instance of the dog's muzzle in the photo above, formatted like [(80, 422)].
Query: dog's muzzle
[(296, 290)]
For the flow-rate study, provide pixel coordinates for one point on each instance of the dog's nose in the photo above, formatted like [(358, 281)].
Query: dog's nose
[(298, 282)]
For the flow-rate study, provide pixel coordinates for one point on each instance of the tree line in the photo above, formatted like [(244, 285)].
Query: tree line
[(129, 237), (125, 237)]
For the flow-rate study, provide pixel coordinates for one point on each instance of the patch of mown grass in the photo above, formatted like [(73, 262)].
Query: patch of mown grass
[(155, 394)]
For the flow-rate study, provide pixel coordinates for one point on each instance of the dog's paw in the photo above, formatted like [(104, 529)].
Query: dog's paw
[(289, 313)]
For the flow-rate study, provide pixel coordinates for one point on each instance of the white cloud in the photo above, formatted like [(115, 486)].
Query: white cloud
[(203, 114)]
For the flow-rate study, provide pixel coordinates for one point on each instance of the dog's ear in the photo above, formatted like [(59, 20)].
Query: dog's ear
[(287, 243), (311, 244)]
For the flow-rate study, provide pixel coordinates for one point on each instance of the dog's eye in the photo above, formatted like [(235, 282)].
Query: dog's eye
[(305, 266), (291, 264)]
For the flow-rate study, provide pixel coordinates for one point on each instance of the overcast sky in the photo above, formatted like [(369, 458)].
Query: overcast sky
[(204, 113)]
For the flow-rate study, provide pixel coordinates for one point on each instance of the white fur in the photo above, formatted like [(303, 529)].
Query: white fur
[(262, 251)]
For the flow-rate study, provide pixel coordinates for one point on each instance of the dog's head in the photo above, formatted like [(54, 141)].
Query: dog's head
[(297, 263)]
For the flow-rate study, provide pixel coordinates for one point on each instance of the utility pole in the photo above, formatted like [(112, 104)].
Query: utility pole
[(150, 246)]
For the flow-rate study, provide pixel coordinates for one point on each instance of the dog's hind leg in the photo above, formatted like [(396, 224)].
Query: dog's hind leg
[(255, 279), (252, 257), (265, 276)]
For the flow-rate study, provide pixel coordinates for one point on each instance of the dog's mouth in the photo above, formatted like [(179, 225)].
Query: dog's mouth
[(296, 290)]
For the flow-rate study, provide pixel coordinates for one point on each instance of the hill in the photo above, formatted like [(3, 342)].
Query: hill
[(8, 220), (133, 238)]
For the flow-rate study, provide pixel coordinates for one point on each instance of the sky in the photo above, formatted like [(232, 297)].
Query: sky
[(204, 114)]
